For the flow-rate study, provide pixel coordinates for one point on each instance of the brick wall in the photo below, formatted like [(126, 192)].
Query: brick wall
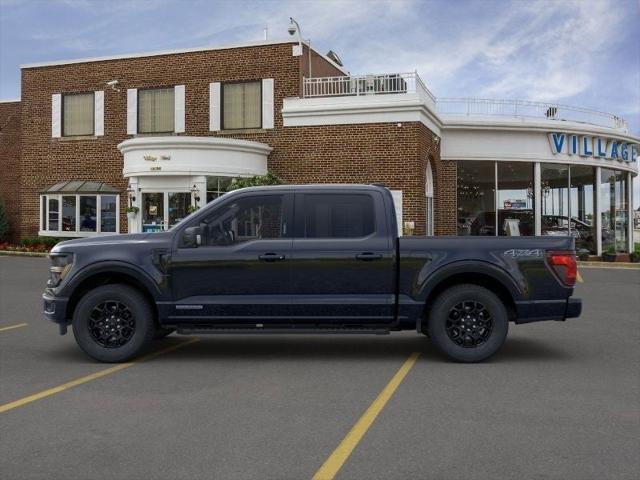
[(445, 181), (385, 153), (10, 163)]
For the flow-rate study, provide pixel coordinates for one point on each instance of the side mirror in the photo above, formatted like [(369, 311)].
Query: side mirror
[(192, 237)]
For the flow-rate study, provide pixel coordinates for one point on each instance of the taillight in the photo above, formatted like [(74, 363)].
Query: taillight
[(565, 266)]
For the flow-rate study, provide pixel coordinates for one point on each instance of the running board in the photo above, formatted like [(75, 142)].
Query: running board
[(200, 330)]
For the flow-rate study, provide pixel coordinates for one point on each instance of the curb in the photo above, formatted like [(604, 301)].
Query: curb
[(611, 265), (11, 253)]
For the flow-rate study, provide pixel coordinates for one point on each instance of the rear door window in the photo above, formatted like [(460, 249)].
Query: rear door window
[(338, 215)]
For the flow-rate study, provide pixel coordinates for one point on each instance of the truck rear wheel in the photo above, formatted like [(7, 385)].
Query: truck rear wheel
[(113, 323), (468, 323)]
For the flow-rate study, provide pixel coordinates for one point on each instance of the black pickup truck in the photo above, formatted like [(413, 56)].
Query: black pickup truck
[(305, 259)]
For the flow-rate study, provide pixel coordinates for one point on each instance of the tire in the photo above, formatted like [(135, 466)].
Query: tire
[(162, 332), (122, 308), (468, 323)]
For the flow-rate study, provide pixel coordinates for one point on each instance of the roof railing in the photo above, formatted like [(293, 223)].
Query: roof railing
[(403, 83)]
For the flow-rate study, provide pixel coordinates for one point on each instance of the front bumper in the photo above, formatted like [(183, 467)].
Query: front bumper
[(55, 309)]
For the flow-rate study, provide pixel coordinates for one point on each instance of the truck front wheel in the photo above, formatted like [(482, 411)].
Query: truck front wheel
[(113, 323), (468, 323)]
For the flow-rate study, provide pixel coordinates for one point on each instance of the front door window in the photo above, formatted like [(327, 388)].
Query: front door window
[(162, 210)]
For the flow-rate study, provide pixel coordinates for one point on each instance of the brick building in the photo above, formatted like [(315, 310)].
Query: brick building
[(166, 131)]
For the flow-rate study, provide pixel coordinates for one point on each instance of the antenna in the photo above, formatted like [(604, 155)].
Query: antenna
[(266, 32)]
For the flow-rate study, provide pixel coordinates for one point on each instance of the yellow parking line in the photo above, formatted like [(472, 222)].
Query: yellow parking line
[(11, 327), (334, 463), (94, 376), (579, 278)]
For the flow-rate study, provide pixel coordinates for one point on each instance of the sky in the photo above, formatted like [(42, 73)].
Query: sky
[(584, 53)]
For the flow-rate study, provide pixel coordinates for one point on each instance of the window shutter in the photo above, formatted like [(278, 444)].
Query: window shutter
[(132, 111), (56, 115), (98, 111), (214, 106), (267, 103), (179, 100)]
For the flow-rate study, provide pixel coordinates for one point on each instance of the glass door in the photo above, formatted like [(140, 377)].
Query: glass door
[(178, 203), (162, 210), (153, 214)]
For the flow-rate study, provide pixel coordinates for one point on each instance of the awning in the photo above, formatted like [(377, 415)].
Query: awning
[(81, 186)]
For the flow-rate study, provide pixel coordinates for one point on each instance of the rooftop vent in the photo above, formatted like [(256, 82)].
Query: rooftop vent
[(334, 57)]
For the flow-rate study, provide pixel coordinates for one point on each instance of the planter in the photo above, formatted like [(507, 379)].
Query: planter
[(609, 257), (634, 257)]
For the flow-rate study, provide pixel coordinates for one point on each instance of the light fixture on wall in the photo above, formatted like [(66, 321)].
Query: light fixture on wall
[(194, 193), (132, 197)]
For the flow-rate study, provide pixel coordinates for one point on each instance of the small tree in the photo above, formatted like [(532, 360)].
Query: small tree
[(256, 181), (4, 222)]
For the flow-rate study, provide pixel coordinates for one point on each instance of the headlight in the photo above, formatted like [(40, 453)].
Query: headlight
[(61, 264)]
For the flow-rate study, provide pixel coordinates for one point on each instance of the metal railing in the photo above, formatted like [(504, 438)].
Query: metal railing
[(528, 109), (401, 83), (356, 85)]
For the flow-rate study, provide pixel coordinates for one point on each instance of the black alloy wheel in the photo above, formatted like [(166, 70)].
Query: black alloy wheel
[(469, 324), (111, 324), (114, 323)]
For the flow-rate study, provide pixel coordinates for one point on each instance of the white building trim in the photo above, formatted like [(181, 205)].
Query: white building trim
[(396, 108)]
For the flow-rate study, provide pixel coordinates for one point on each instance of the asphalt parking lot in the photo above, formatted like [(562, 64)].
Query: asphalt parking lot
[(561, 400)]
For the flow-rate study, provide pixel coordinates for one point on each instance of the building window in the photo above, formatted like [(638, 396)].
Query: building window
[(555, 199), (241, 105), (75, 215), (581, 203), (338, 216), (476, 198), (217, 186), (515, 199), (429, 196), (156, 110), (614, 210), (78, 114)]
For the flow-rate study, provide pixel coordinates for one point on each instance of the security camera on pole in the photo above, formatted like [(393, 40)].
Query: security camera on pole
[(294, 28)]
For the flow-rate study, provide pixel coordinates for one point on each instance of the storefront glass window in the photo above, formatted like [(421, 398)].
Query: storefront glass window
[(614, 210), (108, 213), (515, 199), (69, 213), (622, 212), (555, 199), (582, 207), (476, 198), (217, 186), (88, 213)]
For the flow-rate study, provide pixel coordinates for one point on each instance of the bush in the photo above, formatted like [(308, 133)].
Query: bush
[(256, 181), (583, 256), (4, 222)]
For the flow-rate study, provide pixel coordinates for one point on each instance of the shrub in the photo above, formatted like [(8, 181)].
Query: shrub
[(256, 181), (583, 256)]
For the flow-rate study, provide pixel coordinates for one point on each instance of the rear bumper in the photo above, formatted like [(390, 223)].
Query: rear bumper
[(542, 310), (55, 309)]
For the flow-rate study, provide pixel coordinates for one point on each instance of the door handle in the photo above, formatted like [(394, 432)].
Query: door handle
[(368, 256), (271, 257)]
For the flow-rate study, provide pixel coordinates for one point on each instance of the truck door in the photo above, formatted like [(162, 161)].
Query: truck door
[(240, 273), (342, 264)]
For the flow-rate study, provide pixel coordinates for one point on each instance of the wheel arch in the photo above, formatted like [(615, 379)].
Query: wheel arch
[(497, 282), (111, 274)]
